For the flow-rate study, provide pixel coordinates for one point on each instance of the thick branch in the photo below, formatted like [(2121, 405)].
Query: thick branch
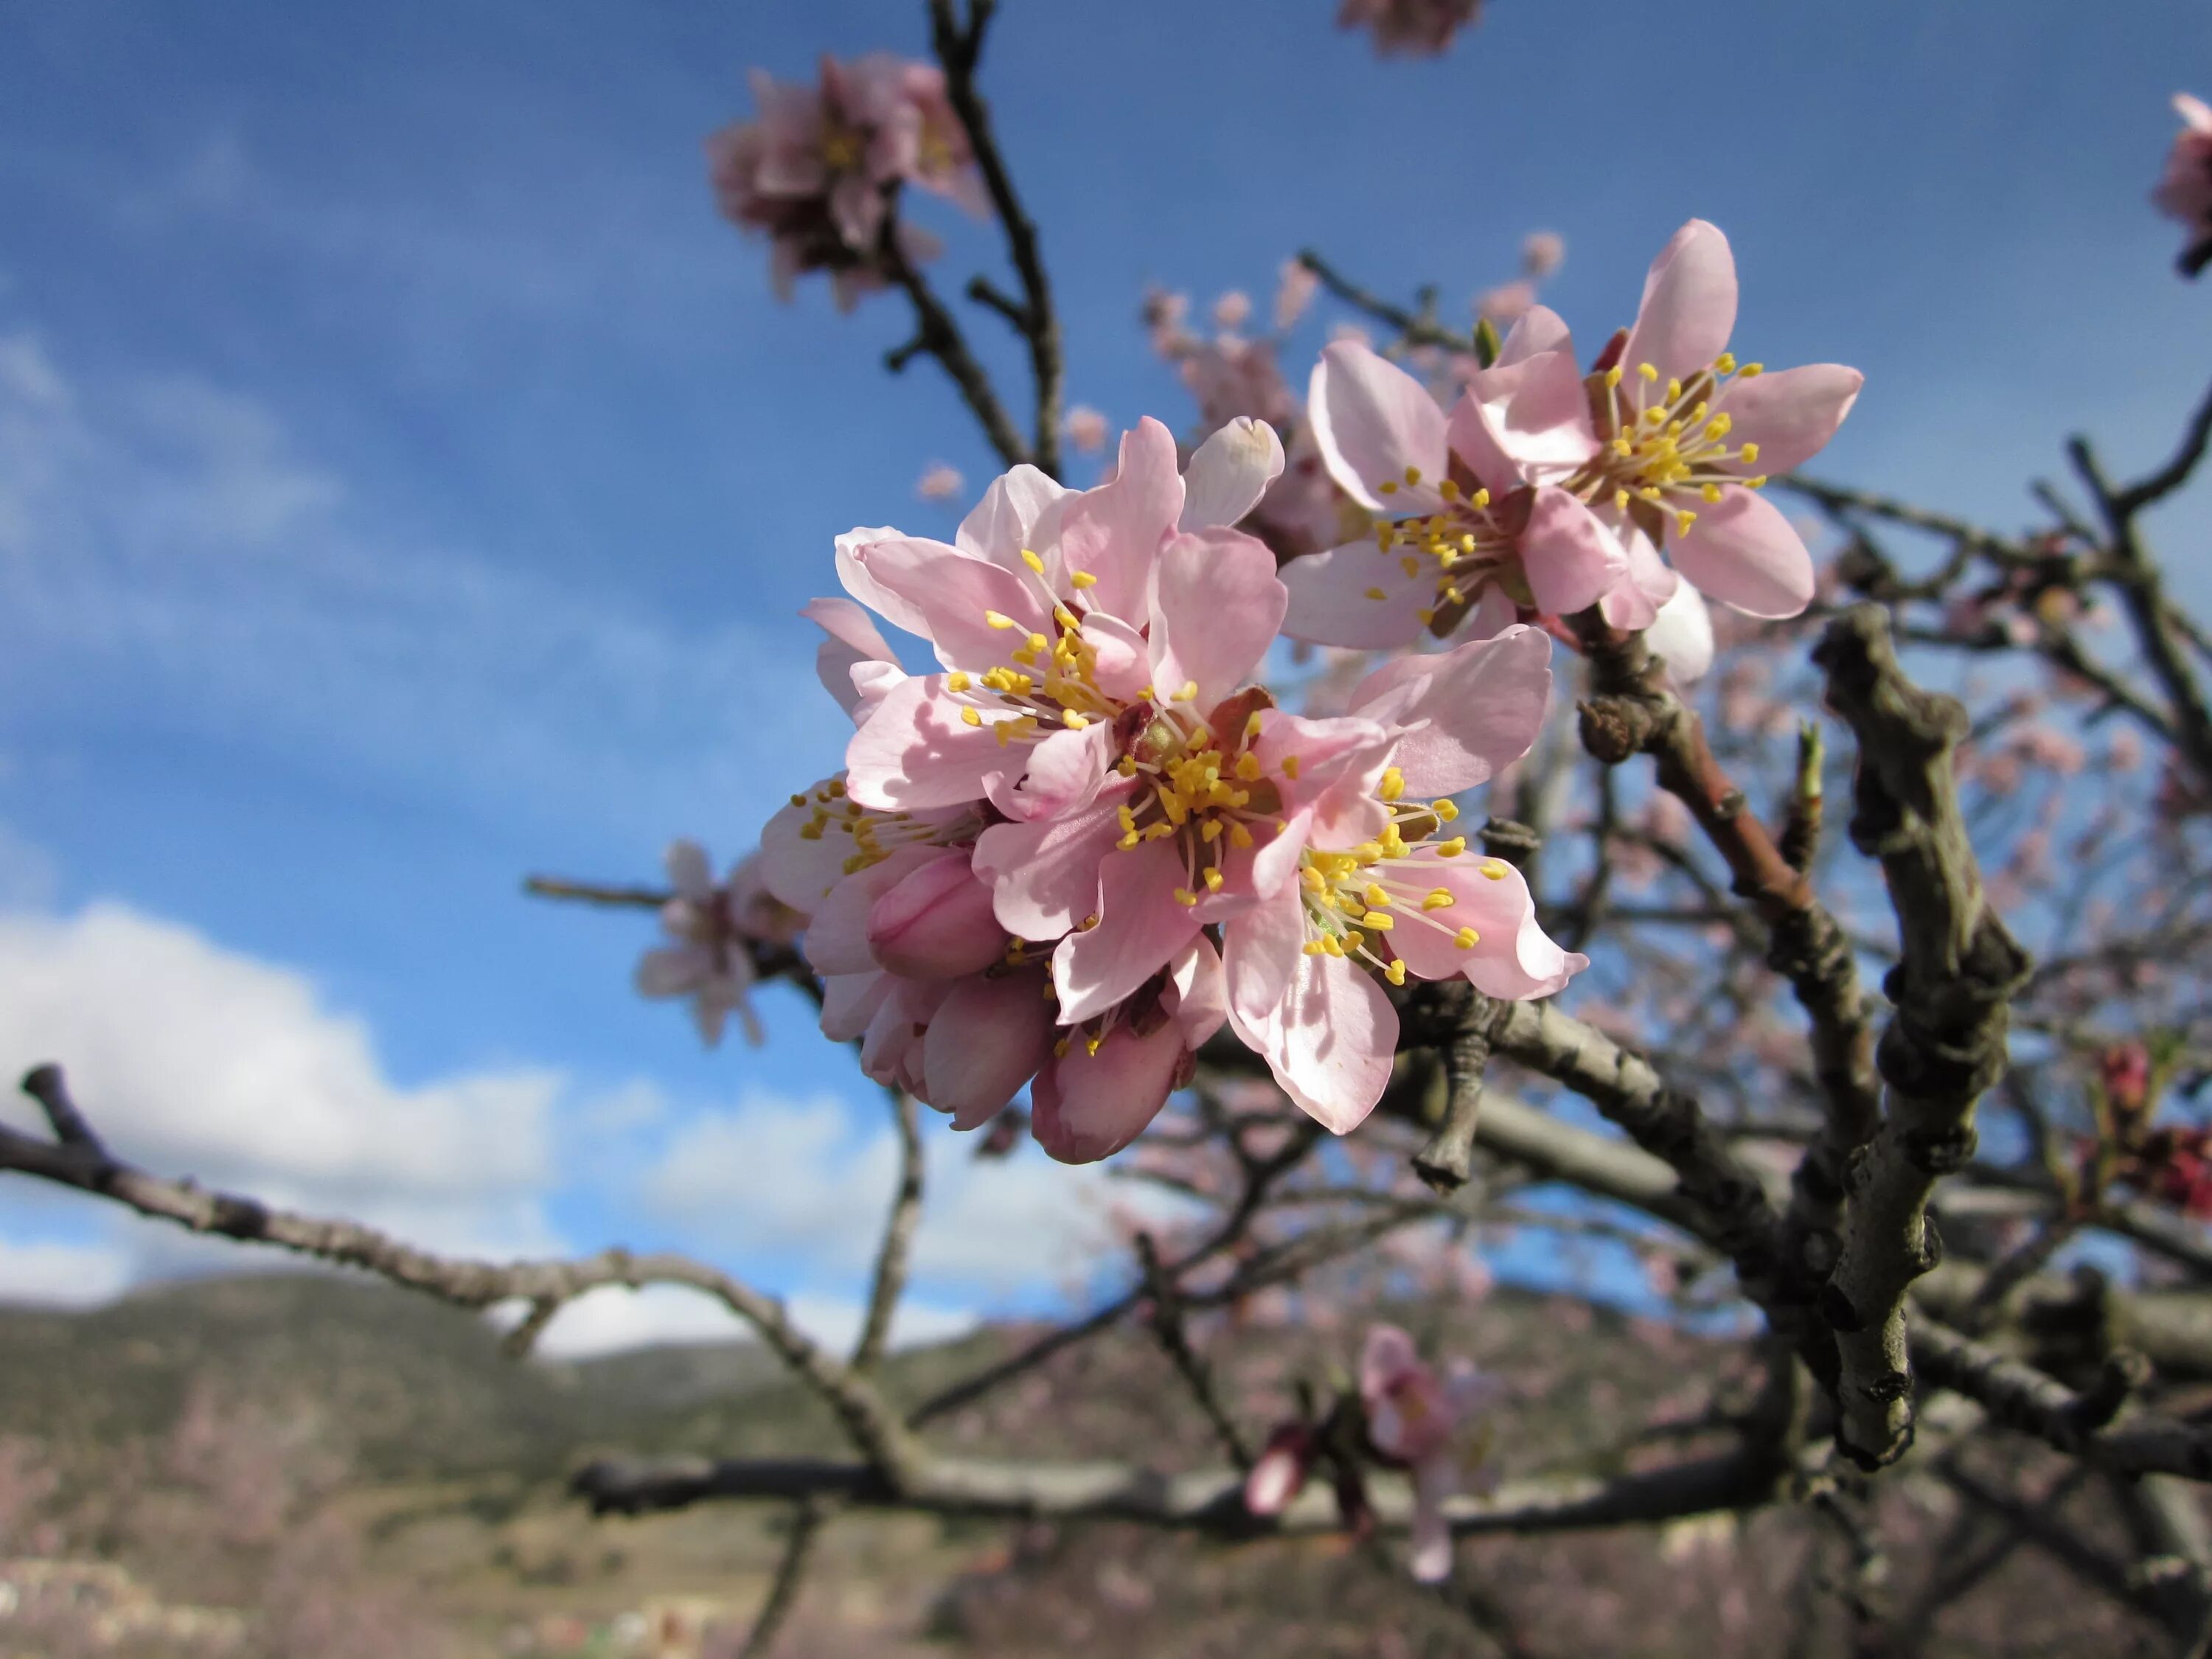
[(1946, 1041), (1208, 1501), (85, 1165)]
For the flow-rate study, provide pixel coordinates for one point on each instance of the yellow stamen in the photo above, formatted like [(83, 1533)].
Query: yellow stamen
[(1082, 578), (999, 619), (1466, 938), (971, 717)]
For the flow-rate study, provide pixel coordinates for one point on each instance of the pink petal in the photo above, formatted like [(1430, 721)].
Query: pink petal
[(1005, 521), (1387, 1358), (1229, 474), (1482, 704), (1216, 607), (1331, 598), (870, 592), (955, 591), (1475, 439), (851, 625), (1371, 421), (854, 641), (1065, 771), (1689, 305), (1044, 876), (1633, 602), (1743, 552), (988, 1038), (1434, 1480), (1200, 991), (673, 970), (1114, 532), (849, 1002), (1124, 667), (1791, 413), (1140, 928), (1540, 410), (837, 933), (936, 924), (1682, 634), (1329, 1042), (689, 873), (797, 869), (1084, 1107), (1512, 956), (1538, 330), (900, 1018), (916, 751), (1262, 951), (1571, 558)]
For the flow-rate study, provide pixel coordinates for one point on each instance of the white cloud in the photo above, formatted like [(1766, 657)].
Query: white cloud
[(610, 1320), (193, 1059), (64, 1275), (784, 1175)]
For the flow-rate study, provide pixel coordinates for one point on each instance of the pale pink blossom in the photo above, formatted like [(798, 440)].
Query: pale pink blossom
[(1278, 1474), (1542, 252), (1507, 303), (1682, 436), (1428, 1423), (940, 482), (2184, 190), (714, 926), (1463, 536), (1233, 309), (1295, 287), (1420, 27), (1085, 429)]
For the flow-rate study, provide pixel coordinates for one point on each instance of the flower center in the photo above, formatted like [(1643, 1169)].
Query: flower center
[(876, 836), (1668, 444), (1201, 789), (1356, 900), (1463, 546)]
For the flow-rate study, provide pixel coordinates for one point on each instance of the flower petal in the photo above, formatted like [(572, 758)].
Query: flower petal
[(1114, 532), (689, 873), (866, 589), (1791, 413), (955, 593), (849, 1002), (799, 869), (1512, 956), (1682, 634), (1084, 1107), (1200, 991), (936, 923), (1372, 421), (916, 751), (1689, 305), (1044, 876), (1140, 928), (1004, 521), (987, 1039), (1358, 596), (1329, 1042), (837, 933), (1065, 771), (1538, 330), (1217, 605), (1743, 552), (1262, 952), (1229, 474), (1569, 556), (1477, 708)]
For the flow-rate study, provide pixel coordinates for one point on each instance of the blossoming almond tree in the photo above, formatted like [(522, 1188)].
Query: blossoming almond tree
[(1334, 813)]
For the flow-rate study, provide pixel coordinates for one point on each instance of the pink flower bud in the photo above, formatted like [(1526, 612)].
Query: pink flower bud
[(1279, 1472), (936, 924)]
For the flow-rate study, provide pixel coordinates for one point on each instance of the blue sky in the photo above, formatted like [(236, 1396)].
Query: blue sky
[(406, 481)]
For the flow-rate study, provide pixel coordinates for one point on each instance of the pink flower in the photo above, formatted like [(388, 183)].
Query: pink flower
[(713, 927), (1381, 891), (852, 663), (1420, 1421), (1295, 287), (1085, 429), (1461, 532), (940, 482), (1420, 28), (1542, 252), (1232, 309), (2184, 191), (1278, 1474)]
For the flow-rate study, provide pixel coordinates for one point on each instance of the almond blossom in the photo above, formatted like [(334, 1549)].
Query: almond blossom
[(1421, 28), (2184, 190), (1462, 535), (714, 926), (1428, 1423)]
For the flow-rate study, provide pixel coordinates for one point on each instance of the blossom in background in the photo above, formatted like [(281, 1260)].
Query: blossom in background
[(1085, 430), (940, 482), (2184, 190), (1420, 28), (1295, 287), (1542, 252), (1233, 309), (817, 169), (714, 928), (1428, 1423), (1278, 1475)]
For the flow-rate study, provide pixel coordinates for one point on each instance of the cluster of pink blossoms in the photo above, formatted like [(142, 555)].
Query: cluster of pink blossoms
[(1070, 857), (1548, 489), (819, 169), (2184, 191)]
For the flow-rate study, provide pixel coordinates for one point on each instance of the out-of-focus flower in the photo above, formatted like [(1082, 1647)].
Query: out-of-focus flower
[(2184, 190), (1507, 303), (1424, 1422), (1085, 429), (714, 926), (1542, 252), (940, 482), (1295, 288), (2123, 1069), (1420, 27), (817, 169), (1278, 1474)]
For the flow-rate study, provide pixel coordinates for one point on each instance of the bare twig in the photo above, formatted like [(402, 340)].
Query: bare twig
[(888, 1283), (1173, 1336), (808, 1517), (1414, 330)]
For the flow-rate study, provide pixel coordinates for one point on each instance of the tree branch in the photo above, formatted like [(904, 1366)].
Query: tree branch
[(888, 1283), (1414, 330), (1946, 1041)]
